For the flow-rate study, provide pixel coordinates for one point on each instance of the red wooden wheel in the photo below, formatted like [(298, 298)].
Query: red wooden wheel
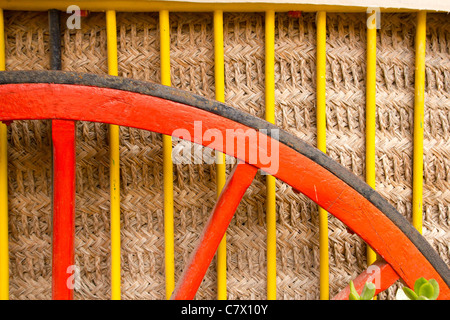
[(125, 102)]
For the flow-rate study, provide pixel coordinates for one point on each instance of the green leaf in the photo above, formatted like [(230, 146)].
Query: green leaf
[(419, 282), (422, 298), (436, 289), (426, 290), (368, 291), (353, 294), (409, 293)]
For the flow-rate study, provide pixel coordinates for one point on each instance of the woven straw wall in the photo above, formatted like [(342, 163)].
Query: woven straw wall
[(192, 66)]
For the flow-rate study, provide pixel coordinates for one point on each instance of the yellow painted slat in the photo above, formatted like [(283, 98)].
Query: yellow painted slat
[(114, 164), (321, 145), (219, 76), (371, 82), (419, 102), (164, 26), (270, 180), (4, 243)]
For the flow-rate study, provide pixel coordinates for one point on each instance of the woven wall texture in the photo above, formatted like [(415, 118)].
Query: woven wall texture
[(192, 69)]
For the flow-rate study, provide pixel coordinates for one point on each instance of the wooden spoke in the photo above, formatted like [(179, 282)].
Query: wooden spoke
[(63, 137), (229, 199), (115, 100), (380, 273)]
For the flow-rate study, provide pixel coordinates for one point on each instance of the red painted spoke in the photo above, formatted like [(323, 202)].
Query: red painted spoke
[(380, 273), (230, 197), (63, 137)]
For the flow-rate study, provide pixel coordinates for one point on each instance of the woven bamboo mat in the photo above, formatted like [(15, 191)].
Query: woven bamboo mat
[(192, 67)]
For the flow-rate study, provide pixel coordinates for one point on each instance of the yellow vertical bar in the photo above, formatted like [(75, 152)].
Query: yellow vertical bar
[(270, 180), (219, 69), (114, 164), (164, 26), (321, 145), (419, 101), (371, 82), (4, 247)]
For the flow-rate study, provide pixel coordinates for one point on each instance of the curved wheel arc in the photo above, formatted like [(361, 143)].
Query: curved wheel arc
[(149, 106)]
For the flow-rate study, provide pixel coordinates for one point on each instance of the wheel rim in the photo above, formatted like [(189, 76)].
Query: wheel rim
[(56, 95)]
